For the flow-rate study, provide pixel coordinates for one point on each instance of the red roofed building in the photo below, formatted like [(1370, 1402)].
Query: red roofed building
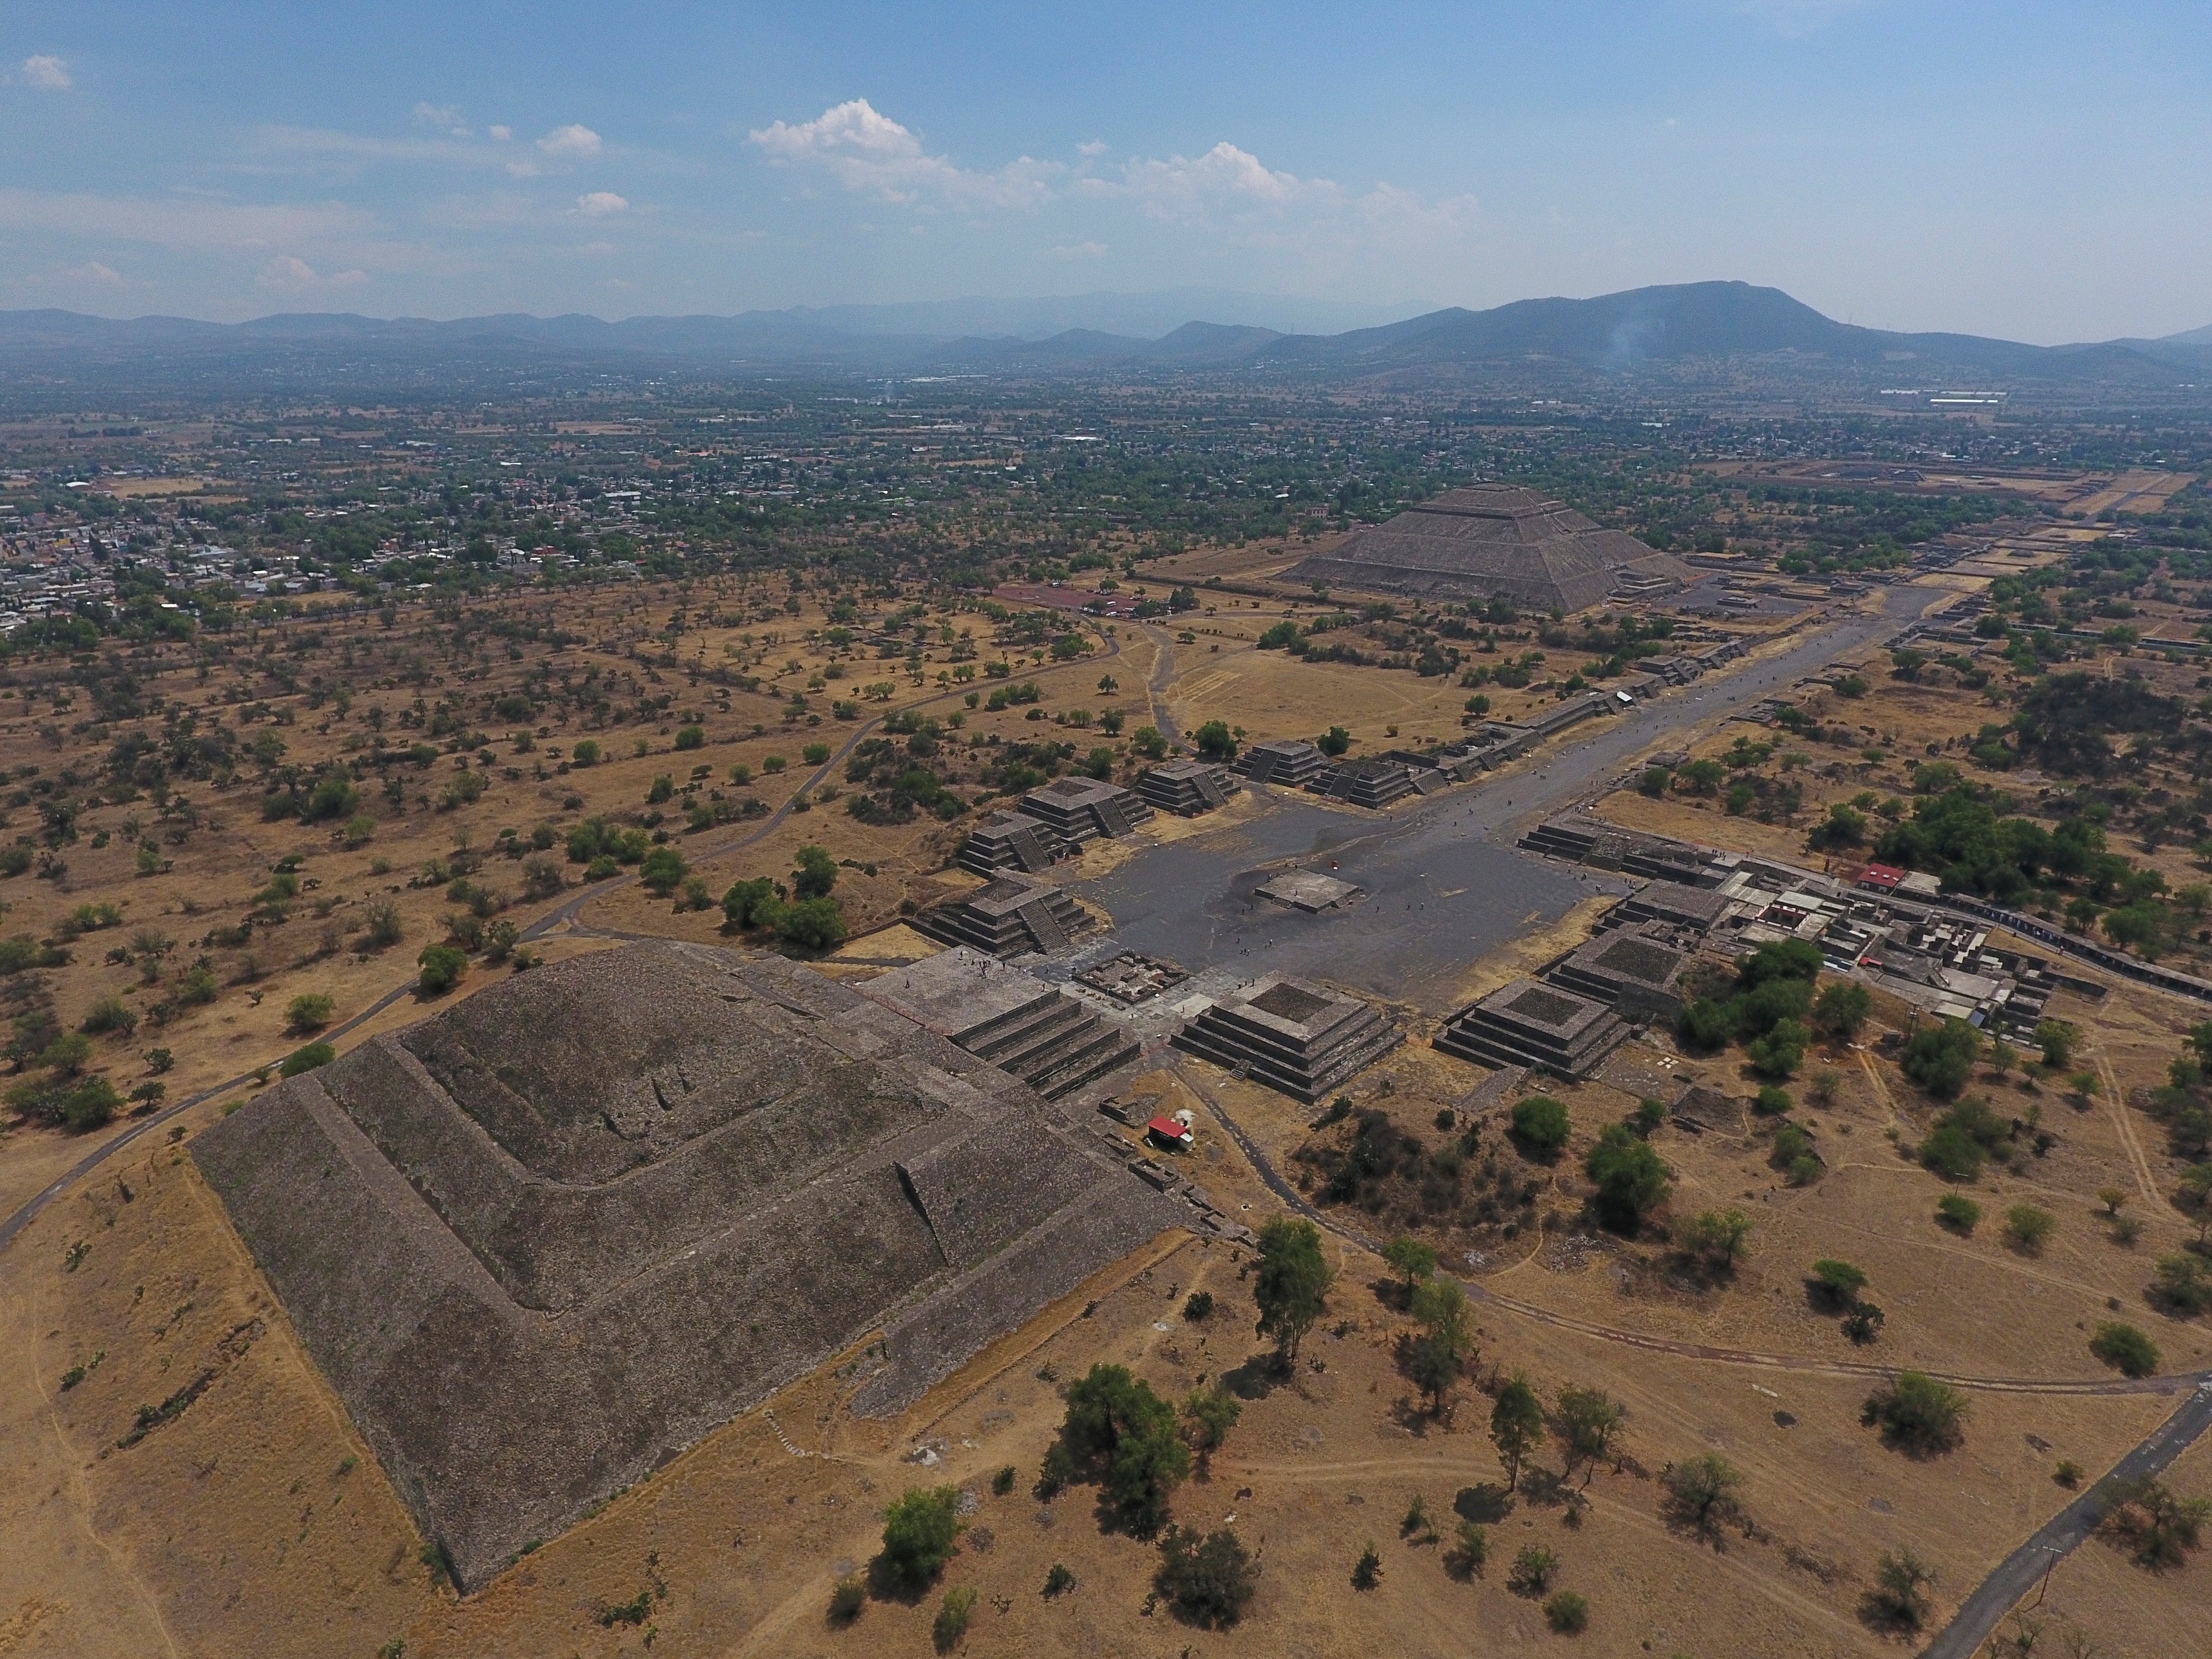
[(1880, 877), (1171, 1133)]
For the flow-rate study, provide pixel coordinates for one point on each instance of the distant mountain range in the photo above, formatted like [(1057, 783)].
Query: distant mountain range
[(1677, 328)]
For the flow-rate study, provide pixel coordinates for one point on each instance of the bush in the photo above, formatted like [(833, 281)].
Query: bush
[(442, 966), (1701, 1492), (586, 753), (1469, 1551), (110, 1012), (1539, 1124), (308, 1059), (1713, 1237), (1841, 1009), (2158, 1529), (2182, 1285), (691, 737), (2125, 1349), (1958, 1212), (1057, 1580), (816, 753), (1198, 1305), (1773, 1101), (1962, 1140), (1367, 1571), (953, 1614), (1781, 1051), (1917, 1415), (2027, 1228), (921, 1530), (846, 1600), (1839, 1283), (380, 923), (814, 924), (662, 871), (1567, 1614), (751, 903), (309, 1013), (1206, 1581)]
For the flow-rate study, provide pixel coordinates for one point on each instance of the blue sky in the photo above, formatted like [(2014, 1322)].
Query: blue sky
[(2033, 170)]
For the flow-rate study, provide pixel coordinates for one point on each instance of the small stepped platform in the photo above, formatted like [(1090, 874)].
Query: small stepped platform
[(1287, 761), (1187, 787), (1296, 1037), (1012, 916), (1012, 1019), (1012, 841), (1526, 1024), (1085, 808), (1372, 782), (1636, 975)]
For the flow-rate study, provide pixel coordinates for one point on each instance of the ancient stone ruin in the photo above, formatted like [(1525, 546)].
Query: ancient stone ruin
[(1291, 1035), (1009, 917), (1016, 1021), (1526, 1024), (1083, 809), (1495, 542), (1187, 787), (544, 1241), (1287, 761), (1013, 841)]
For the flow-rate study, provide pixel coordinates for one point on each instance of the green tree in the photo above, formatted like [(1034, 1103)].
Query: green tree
[(816, 875), (442, 966), (1917, 1415), (814, 924), (1841, 1008), (1206, 1581), (1701, 1491), (1630, 1179), (1292, 1285), (1434, 1359), (1941, 1058), (751, 903), (2057, 1039), (921, 1530), (1517, 1427), (1958, 1212), (1148, 741), (308, 1059), (1215, 742), (2124, 1348), (2028, 1228), (1539, 1124), (1589, 1421), (1713, 1237), (1208, 1414), (309, 1013), (2159, 1529), (1410, 1259), (662, 871), (1120, 1434), (1898, 1599)]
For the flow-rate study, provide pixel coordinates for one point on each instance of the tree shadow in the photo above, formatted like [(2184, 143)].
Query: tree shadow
[(1257, 1377), (1485, 1504), (1543, 1488), (887, 1584)]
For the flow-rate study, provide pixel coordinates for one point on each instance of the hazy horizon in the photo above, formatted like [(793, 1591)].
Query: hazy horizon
[(2030, 171)]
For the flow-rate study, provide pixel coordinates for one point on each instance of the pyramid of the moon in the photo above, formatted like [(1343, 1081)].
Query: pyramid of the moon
[(1494, 541)]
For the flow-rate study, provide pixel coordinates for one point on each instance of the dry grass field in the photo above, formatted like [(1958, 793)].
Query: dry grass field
[(252, 1519)]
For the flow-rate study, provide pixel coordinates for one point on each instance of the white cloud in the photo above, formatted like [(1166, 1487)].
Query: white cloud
[(1072, 251), (191, 222), (868, 151), (445, 116), (502, 133), (94, 274), (47, 73), (598, 204), (289, 274), (571, 141), (1190, 187)]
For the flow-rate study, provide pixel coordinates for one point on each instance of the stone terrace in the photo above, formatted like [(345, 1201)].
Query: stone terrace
[(1083, 809), (1019, 1023), (1291, 1035), (1526, 1024), (1009, 917)]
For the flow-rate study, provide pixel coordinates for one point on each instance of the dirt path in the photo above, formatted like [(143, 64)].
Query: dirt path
[(2133, 1144)]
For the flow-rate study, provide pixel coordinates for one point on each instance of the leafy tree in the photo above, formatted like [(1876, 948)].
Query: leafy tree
[(2183, 1285), (816, 875), (2057, 1039), (1434, 1359), (1838, 1282), (1532, 1570), (1215, 742), (1411, 1259), (1541, 1125), (1120, 1434), (921, 1530), (2027, 1228), (662, 871), (442, 966), (1367, 1571), (1589, 1421), (1962, 1139), (953, 1615), (1333, 742), (1630, 1179), (2158, 1529), (308, 1059), (1292, 1285), (1898, 1599), (1701, 1492), (1567, 1612), (1208, 1414), (814, 924), (751, 903), (2124, 1348), (1148, 741), (1714, 1237), (1841, 1008), (1958, 1212), (308, 1011), (1781, 1051), (1917, 1415), (1469, 1551), (1517, 1427), (1941, 1058), (846, 1600), (1206, 1581)]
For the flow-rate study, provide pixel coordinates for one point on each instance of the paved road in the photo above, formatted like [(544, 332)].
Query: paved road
[(2004, 1588)]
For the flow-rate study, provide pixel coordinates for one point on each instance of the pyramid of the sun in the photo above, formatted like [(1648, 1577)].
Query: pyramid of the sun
[(1494, 541)]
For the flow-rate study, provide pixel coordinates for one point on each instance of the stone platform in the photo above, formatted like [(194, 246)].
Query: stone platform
[(1009, 917), (1016, 1021), (1292, 1035), (1526, 1024)]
